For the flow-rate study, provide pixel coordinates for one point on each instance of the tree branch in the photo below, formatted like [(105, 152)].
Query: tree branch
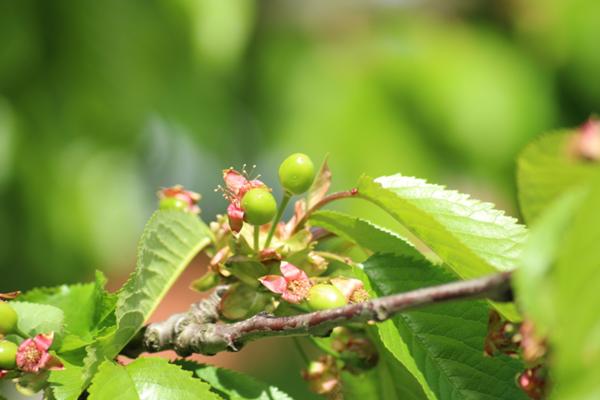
[(198, 331)]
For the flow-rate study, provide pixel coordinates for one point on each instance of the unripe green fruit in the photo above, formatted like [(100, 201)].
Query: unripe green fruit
[(8, 355), (259, 206), (324, 296), (296, 173), (8, 318), (172, 203)]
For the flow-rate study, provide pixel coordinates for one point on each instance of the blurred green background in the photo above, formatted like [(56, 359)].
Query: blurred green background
[(103, 102)]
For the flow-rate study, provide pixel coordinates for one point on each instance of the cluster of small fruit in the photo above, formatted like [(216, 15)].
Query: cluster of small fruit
[(281, 267), (20, 354), (283, 250)]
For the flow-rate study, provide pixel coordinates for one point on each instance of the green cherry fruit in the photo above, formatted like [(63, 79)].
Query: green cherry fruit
[(259, 206), (324, 296), (8, 355), (172, 203), (8, 318), (296, 173)]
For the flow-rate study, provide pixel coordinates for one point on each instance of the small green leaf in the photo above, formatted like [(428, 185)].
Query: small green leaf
[(104, 315), (38, 318), (246, 270), (444, 341), (147, 378), (364, 233), (471, 237), (234, 385), (78, 303), (171, 239), (545, 170)]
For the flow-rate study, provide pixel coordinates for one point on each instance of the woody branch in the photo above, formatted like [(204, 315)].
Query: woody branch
[(198, 330)]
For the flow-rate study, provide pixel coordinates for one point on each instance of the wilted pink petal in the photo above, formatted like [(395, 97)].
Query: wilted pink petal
[(236, 217), (269, 254), (43, 342), (275, 283), (291, 272), (220, 257), (234, 180)]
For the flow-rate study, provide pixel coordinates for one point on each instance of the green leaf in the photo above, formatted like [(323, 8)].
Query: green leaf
[(398, 348), (576, 279), (533, 279), (364, 233), (444, 341), (147, 378), (471, 237), (545, 170), (76, 301), (233, 385), (38, 318), (66, 383), (170, 241)]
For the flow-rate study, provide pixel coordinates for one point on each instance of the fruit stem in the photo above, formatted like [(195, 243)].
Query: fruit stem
[(284, 202), (20, 333), (256, 238), (324, 201)]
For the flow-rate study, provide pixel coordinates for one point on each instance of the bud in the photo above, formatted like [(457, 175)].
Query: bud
[(355, 349), (176, 197), (323, 376), (533, 382), (586, 143), (533, 348), (502, 337)]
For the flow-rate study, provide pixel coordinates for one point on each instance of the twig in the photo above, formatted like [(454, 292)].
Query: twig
[(197, 331)]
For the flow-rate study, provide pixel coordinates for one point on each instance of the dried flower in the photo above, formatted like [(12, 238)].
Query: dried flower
[(352, 288), (236, 186), (32, 355), (293, 285)]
